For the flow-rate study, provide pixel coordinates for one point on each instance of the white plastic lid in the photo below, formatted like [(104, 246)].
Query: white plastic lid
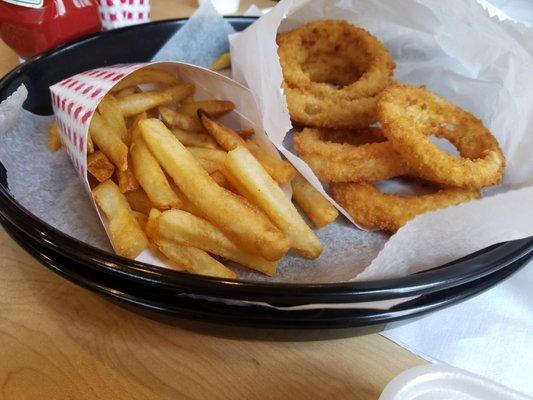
[(442, 382)]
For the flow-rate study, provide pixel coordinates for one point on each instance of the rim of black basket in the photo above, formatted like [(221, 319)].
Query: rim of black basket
[(135, 295), (455, 273)]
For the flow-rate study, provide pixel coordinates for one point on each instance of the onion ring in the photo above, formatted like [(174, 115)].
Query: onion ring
[(333, 39), (374, 209), (347, 162), (408, 115), (333, 72), (308, 109)]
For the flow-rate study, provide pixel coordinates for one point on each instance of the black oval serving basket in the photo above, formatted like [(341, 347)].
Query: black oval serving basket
[(210, 299)]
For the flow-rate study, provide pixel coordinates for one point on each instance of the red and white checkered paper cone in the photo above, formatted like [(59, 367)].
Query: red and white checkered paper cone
[(74, 101), (119, 13)]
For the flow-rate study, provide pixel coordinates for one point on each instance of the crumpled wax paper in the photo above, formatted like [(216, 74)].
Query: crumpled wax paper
[(477, 62)]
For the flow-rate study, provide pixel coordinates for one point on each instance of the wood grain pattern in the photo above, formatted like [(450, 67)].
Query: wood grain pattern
[(59, 341)]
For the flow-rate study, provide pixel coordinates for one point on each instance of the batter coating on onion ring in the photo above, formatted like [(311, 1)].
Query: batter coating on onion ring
[(333, 72), (373, 209), (330, 39), (408, 115), (346, 162)]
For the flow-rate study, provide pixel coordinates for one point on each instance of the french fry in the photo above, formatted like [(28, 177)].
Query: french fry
[(54, 140), (110, 111), (99, 166), (134, 124), (262, 190), (209, 166), (189, 230), (127, 91), (127, 237), (142, 219), (281, 170), (127, 181), (151, 224), (246, 133), (109, 142), (146, 75), (186, 204), (213, 108), (315, 206), (195, 139), (139, 201), (221, 180), (218, 156), (246, 225), (226, 137), (139, 102), (192, 260), (176, 119), (180, 92), (90, 144), (150, 175), (222, 62)]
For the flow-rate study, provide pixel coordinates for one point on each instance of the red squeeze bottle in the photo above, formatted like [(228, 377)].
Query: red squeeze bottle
[(31, 27)]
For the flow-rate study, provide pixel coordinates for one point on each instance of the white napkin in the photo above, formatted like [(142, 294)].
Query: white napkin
[(490, 335)]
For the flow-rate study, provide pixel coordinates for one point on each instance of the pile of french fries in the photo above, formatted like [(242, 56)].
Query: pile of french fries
[(170, 177)]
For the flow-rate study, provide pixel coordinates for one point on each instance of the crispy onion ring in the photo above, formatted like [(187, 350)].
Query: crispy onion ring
[(307, 109), (374, 209), (408, 115), (363, 54), (349, 162), (333, 72)]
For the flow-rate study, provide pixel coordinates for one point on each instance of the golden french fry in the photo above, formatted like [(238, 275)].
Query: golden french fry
[(139, 201), (176, 119), (315, 206), (90, 144), (54, 140), (195, 139), (142, 219), (263, 191), (246, 133), (213, 108), (226, 137), (127, 181), (126, 92), (127, 237), (281, 170), (146, 75), (139, 102), (192, 260), (221, 180), (110, 111), (99, 166), (189, 230), (222, 62), (186, 204), (180, 92), (150, 175), (108, 142), (209, 166), (133, 126), (151, 224), (246, 225), (218, 156)]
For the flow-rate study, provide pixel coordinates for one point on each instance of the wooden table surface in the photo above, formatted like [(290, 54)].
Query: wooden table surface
[(58, 341)]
